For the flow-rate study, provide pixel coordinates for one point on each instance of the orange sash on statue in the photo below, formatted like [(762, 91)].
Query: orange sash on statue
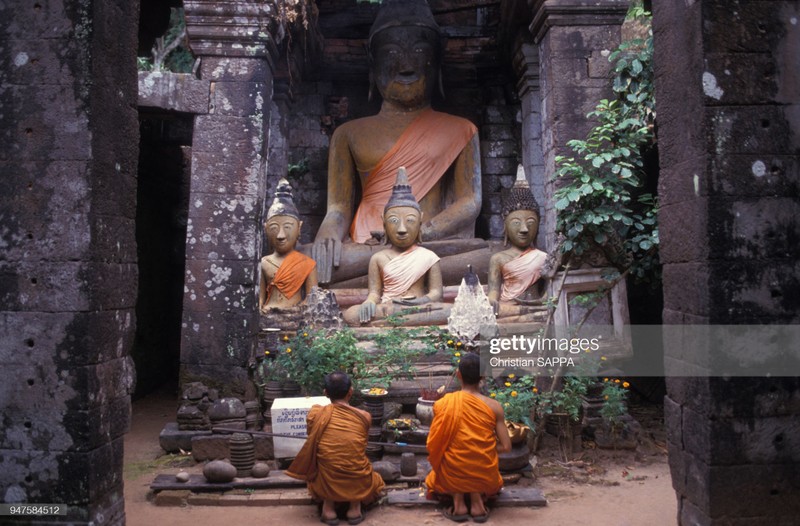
[(462, 447), (333, 460), (404, 270), (427, 148), (292, 274), (521, 272)]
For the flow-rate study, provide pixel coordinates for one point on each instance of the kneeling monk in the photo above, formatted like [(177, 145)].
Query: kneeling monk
[(333, 460), (467, 433)]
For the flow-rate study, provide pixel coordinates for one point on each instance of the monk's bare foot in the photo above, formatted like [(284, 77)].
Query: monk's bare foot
[(477, 509), (354, 513), (459, 505), (328, 514)]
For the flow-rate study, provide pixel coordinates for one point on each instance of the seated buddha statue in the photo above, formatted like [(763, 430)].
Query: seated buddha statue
[(286, 275), (515, 287), (440, 151), (405, 275)]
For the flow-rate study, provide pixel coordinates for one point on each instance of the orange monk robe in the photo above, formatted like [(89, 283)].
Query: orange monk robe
[(462, 447), (333, 460), (427, 148), (291, 274)]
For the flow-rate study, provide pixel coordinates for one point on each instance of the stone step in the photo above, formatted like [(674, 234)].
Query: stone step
[(513, 497), (198, 483)]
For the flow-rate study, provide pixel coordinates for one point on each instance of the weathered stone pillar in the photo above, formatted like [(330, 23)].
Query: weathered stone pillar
[(68, 272), (727, 98), (235, 43), (574, 40)]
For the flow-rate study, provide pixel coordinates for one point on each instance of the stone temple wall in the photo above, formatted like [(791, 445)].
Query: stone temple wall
[(67, 253), (727, 96)]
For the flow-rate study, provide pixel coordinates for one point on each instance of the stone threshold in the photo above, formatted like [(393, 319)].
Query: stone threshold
[(405, 497)]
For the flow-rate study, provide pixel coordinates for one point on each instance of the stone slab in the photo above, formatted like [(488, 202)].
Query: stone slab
[(198, 483), (289, 418), (172, 440), (508, 498)]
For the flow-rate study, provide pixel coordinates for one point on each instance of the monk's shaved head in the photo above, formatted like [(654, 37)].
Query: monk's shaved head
[(337, 384), (470, 369)]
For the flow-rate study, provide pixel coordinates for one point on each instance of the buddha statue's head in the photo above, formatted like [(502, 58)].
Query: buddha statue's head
[(402, 218), (404, 50), (283, 224), (520, 213)]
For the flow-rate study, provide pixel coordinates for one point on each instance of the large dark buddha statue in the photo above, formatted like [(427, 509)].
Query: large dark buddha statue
[(440, 151)]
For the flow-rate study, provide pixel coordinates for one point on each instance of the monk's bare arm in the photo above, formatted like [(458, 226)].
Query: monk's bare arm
[(467, 187), (327, 248)]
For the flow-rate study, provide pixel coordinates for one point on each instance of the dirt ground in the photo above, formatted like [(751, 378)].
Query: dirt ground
[(595, 487)]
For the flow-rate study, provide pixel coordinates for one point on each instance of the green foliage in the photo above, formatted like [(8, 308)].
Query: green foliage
[(568, 400), (170, 51), (518, 397), (312, 354), (598, 198), (615, 394), (398, 350)]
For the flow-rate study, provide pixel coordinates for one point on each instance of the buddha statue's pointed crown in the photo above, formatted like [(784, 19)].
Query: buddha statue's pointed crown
[(283, 203), (519, 196), (401, 193), (401, 13)]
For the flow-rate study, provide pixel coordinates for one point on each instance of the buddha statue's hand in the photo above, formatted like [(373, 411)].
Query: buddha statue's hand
[(366, 312), (412, 301), (327, 252)]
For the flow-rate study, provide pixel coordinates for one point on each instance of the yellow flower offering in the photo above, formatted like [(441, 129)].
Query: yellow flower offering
[(377, 391)]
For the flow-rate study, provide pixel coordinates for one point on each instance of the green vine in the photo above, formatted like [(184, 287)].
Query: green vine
[(600, 199)]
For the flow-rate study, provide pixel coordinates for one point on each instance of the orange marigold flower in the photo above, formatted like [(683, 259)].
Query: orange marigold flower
[(266, 352), (493, 395), (457, 354), (459, 344), (305, 335), (513, 393), (512, 375), (508, 384), (449, 342), (605, 379), (625, 385), (535, 390), (285, 338), (616, 380), (288, 349)]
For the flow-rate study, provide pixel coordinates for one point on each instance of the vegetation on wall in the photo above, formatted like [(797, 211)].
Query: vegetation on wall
[(601, 199), (170, 51)]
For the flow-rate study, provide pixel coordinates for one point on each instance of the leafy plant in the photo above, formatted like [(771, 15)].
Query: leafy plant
[(170, 51), (312, 354), (599, 200), (568, 400), (518, 396), (399, 348), (615, 395)]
